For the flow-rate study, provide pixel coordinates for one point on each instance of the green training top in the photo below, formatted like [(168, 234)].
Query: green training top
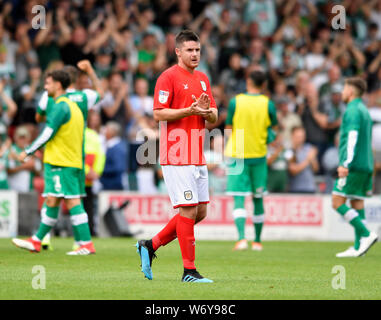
[(85, 100), (56, 117), (355, 149)]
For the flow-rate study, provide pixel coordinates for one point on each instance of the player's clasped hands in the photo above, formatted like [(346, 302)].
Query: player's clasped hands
[(203, 101), (201, 105)]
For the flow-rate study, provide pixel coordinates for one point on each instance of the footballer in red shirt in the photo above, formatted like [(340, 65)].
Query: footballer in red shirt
[(182, 103)]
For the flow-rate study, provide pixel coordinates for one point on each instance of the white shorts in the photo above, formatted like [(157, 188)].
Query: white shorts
[(187, 185)]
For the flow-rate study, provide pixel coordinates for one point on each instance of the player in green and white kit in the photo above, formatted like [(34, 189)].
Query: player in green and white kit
[(85, 99), (63, 159), (355, 167), (251, 116)]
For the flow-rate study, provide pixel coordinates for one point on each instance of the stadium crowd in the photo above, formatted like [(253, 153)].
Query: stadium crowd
[(130, 42)]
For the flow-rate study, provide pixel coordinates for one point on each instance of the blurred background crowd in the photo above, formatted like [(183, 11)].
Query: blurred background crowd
[(130, 42)]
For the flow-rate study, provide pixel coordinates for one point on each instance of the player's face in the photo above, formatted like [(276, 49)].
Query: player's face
[(189, 54), (346, 94), (50, 86)]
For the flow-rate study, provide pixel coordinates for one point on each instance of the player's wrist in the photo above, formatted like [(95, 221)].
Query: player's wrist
[(188, 111), (91, 73)]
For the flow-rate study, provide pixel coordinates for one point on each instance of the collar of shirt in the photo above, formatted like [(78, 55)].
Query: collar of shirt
[(62, 95), (355, 101)]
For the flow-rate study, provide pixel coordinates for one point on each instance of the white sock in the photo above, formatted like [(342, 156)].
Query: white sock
[(35, 238), (47, 237)]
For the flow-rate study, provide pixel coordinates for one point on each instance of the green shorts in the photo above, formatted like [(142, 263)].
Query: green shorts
[(247, 179), (82, 178), (62, 182), (277, 180), (357, 185)]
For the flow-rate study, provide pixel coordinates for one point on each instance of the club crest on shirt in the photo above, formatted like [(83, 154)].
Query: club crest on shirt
[(188, 195), (163, 96), (203, 85)]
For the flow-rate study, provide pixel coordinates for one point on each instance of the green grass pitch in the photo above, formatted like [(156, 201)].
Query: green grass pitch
[(284, 270)]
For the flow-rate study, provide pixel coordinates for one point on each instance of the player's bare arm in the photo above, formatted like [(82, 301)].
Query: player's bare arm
[(40, 118), (167, 114), (86, 67)]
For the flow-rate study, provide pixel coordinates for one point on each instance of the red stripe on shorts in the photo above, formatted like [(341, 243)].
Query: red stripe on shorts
[(186, 205), (190, 204)]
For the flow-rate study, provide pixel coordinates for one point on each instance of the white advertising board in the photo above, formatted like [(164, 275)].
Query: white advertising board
[(287, 217), (8, 214)]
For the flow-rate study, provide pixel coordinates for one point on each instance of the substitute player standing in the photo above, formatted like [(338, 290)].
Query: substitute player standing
[(85, 99), (251, 116), (182, 102), (63, 162), (355, 167)]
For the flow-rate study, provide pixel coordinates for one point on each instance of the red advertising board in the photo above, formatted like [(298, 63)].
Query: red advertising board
[(280, 210)]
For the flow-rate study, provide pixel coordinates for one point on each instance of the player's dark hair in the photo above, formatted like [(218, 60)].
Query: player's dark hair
[(258, 78), (186, 35), (358, 83), (73, 73), (60, 76)]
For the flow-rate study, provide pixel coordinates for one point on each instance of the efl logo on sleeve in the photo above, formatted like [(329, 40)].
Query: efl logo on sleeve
[(163, 96), (203, 85)]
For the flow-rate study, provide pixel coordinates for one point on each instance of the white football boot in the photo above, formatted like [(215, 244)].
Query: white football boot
[(351, 252), (367, 242)]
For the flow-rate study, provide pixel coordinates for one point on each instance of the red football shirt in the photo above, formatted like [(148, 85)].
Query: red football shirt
[(181, 141)]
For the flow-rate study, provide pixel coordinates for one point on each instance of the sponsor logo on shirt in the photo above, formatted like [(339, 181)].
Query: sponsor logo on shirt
[(76, 98), (163, 96)]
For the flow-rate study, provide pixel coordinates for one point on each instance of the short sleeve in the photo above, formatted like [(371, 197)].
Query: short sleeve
[(272, 113), (163, 92), (209, 92), (43, 104), (92, 97), (231, 110)]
